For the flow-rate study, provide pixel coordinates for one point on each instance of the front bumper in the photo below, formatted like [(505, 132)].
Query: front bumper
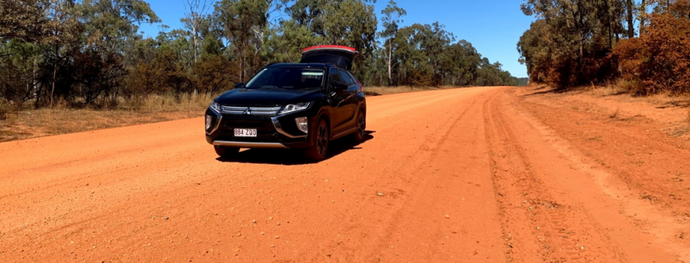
[(272, 131)]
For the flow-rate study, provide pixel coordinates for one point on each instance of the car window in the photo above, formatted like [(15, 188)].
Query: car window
[(335, 78), (287, 78), (347, 80)]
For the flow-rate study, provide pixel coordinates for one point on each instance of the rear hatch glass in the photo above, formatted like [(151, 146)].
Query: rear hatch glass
[(341, 56)]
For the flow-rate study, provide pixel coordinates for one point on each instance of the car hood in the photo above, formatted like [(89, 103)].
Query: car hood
[(266, 97)]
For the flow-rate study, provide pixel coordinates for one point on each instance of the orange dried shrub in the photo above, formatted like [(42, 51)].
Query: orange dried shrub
[(628, 52), (660, 59)]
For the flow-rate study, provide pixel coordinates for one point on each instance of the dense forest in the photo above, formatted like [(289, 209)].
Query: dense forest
[(89, 53), (641, 46)]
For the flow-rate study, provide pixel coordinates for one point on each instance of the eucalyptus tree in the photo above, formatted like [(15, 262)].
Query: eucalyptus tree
[(24, 20), (24, 28), (352, 23), (339, 22), (460, 64), (391, 19), (243, 23), (579, 35), (195, 15), (110, 29), (109, 23), (285, 42)]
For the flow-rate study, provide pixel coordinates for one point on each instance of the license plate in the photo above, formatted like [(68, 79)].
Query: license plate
[(245, 132)]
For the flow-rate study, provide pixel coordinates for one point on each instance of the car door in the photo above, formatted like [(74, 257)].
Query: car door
[(349, 104), (338, 95)]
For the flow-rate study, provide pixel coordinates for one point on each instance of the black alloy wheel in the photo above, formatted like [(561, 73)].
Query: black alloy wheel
[(317, 152), (361, 127)]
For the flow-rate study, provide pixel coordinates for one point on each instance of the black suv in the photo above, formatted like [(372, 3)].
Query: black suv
[(291, 105)]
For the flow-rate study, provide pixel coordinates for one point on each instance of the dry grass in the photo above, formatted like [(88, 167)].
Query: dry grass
[(375, 91), (626, 89), (4, 111), (615, 113), (611, 89), (30, 123), (60, 120), (673, 110), (166, 103)]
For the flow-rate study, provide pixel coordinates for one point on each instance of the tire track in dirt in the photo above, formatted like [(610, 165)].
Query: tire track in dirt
[(446, 176), (610, 200), (553, 231), (452, 178)]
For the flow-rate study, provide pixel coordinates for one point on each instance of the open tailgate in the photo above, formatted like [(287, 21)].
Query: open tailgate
[(341, 56)]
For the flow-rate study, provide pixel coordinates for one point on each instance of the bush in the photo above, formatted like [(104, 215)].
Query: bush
[(659, 59), (634, 86), (4, 111)]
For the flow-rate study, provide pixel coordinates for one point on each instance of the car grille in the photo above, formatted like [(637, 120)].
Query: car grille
[(264, 111)]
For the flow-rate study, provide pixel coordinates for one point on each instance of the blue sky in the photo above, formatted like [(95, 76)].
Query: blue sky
[(492, 26)]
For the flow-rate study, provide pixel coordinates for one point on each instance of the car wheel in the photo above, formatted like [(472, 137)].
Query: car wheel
[(361, 127), (224, 151), (318, 150)]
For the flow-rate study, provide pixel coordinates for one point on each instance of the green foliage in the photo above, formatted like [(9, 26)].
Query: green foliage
[(214, 73), (339, 22), (576, 43), (24, 20), (424, 55), (285, 43), (391, 18), (570, 42), (523, 81), (243, 22), (109, 23), (17, 68), (89, 53)]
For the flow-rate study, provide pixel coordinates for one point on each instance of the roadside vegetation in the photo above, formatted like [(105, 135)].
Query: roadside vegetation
[(90, 54), (63, 119), (640, 46)]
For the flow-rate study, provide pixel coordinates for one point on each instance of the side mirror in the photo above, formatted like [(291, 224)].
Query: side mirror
[(239, 85)]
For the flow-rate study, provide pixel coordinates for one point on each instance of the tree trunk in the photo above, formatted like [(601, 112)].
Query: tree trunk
[(52, 91), (38, 88), (243, 59), (610, 36), (631, 29), (34, 84), (643, 14), (390, 60), (195, 38), (57, 49)]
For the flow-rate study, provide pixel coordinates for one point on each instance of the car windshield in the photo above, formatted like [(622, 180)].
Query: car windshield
[(287, 78)]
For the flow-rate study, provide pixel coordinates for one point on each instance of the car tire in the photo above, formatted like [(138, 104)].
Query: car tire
[(318, 150), (224, 151), (359, 134)]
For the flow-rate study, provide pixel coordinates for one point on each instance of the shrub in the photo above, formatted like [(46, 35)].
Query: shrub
[(659, 59), (4, 111)]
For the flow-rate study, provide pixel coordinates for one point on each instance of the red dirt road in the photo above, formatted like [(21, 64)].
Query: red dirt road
[(461, 175)]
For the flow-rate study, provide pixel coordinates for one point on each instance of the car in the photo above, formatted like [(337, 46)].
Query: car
[(301, 105)]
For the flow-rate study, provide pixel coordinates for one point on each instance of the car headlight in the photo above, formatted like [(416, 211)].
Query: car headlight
[(302, 124), (290, 108), (209, 122), (215, 107)]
